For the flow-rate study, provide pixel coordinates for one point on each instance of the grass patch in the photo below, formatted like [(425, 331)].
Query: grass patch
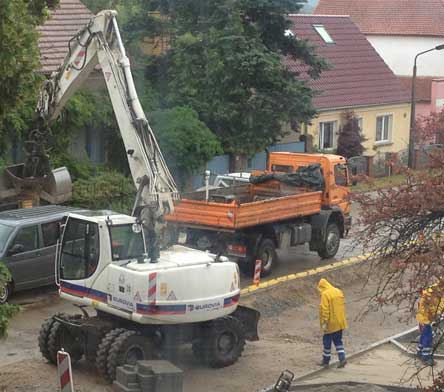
[(379, 183)]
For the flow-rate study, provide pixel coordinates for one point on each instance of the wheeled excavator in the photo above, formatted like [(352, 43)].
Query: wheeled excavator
[(147, 302)]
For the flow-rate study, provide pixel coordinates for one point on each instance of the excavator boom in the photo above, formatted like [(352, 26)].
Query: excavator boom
[(100, 44)]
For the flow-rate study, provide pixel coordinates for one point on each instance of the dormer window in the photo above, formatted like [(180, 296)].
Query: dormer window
[(320, 29)]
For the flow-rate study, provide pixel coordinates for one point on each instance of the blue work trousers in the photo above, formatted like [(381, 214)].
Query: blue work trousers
[(425, 342), (336, 338)]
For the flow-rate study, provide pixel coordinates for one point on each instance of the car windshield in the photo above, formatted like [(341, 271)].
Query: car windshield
[(125, 243), (5, 232)]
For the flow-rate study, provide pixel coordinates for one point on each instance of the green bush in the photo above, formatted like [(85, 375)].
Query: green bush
[(6, 310), (109, 189)]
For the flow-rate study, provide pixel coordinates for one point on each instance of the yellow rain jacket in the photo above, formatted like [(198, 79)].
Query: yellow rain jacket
[(332, 307), (430, 306)]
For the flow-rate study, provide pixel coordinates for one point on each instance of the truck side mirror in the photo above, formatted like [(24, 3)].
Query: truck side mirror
[(16, 248)]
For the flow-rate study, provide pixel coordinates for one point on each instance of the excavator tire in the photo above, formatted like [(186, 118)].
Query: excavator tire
[(103, 351), (198, 347), (127, 348), (45, 329), (224, 343), (59, 337)]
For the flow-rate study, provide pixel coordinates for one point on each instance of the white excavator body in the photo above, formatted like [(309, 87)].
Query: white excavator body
[(103, 264)]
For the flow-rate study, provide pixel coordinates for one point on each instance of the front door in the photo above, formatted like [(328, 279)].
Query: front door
[(24, 259), (340, 191)]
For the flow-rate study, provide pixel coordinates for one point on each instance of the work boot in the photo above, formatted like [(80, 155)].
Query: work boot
[(324, 365), (428, 362), (342, 364)]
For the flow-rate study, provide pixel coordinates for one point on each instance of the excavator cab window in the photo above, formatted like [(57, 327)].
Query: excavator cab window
[(80, 250), (126, 243)]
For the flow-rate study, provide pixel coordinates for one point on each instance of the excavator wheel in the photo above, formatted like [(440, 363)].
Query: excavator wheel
[(44, 335), (224, 343), (103, 351), (198, 347), (127, 348), (60, 337)]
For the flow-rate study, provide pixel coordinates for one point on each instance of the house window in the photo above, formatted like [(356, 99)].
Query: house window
[(361, 124), (324, 34), (384, 128), (327, 135)]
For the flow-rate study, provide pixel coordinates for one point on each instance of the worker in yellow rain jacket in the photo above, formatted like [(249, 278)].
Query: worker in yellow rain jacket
[(333, 321), (431, 305)]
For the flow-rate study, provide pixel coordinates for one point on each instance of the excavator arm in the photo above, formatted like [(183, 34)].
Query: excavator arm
[(100, 44)]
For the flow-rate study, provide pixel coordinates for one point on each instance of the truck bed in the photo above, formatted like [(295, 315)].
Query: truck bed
[(245, 206)]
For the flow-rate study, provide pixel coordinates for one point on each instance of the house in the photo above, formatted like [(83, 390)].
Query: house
[(358, 80), (429, 94), (59, 28), (398, 30), (62, 24)]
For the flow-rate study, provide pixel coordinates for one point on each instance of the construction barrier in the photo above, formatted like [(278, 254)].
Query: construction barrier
[(64, 371), (257, 272)]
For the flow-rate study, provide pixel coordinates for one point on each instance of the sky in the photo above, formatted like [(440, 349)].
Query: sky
[(308, 8)]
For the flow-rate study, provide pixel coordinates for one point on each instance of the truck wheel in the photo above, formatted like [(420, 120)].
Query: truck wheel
[(103, 351), (267, 253), (45, 329), (331, 242), (5, 292), (225, 344), (60, 337), (127, 348)]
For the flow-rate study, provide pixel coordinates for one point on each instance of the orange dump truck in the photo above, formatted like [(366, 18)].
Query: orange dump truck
[(300, 198)]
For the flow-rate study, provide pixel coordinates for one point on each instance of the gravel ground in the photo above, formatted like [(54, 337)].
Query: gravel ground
[(289, 331)]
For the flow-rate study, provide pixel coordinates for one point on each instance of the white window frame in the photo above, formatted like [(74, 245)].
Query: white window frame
[(321, 134), (323, 33), (360, 124), (386, 134)]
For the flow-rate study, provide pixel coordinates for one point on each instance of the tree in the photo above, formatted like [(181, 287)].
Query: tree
[(225, 62), (6, 310), (401, 229), (186, 141), (430, 128), (19, 61), (350, 138)]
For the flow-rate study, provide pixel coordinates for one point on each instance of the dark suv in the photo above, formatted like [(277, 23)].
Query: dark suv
[(28, 239)]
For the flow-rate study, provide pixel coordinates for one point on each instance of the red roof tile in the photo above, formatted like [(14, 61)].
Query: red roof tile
[(68, 18), (390, 17), (358, 77), (423, 87)]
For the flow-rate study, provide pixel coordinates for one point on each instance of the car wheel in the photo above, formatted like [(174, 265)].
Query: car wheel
[(5, 292)]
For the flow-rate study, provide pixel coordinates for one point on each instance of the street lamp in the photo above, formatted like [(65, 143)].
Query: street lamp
[(412, 106)]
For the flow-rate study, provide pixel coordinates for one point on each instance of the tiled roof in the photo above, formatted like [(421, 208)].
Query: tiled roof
[(390, 17), (423, 91), (68, 18), (358, 77)]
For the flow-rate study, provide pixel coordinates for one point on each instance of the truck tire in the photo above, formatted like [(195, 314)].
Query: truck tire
[(266, 252), (45, 329), (331, 242), (225, 342), (127, 348), (103, 351), (60, 337)]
